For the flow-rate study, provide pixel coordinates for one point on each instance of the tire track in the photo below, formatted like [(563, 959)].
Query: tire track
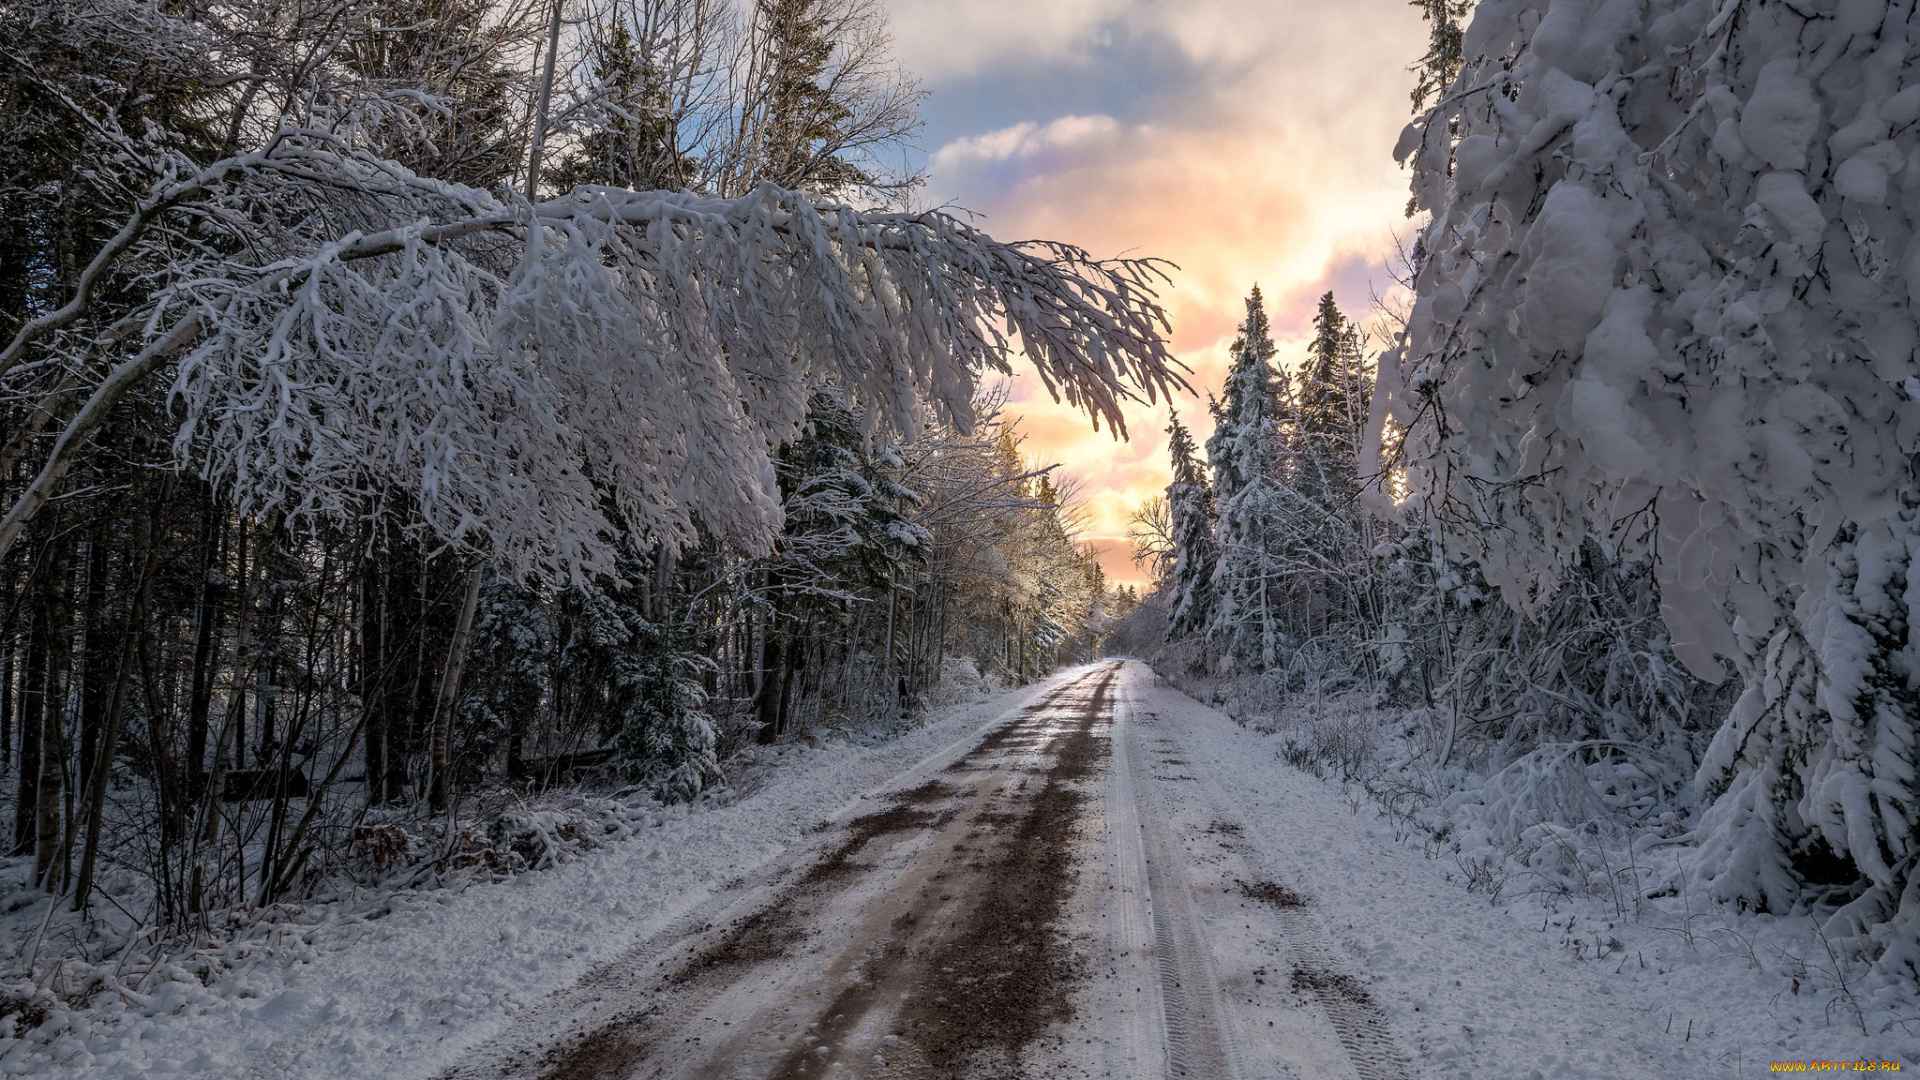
[(920, 940), (1356, 1017), (1198, 1043), (1357, 1020)]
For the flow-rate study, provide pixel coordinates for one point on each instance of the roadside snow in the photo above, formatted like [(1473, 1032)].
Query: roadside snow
[(405, 993), (1539, 986)]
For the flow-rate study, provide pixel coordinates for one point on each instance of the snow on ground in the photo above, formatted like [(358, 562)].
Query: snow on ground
[(404, 994), (1539, 986), (1530, 988)]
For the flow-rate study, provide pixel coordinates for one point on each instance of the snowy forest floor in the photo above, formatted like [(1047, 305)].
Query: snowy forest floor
[(1092, 876)]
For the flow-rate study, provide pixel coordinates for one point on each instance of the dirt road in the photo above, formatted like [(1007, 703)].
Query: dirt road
[(1064, 898)]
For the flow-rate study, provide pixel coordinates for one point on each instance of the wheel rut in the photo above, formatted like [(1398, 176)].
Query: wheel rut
[(921, 940), (1281, 923), (1198, 1041)]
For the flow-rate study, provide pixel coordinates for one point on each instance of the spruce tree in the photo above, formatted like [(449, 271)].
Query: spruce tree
[(1333, 392), (804, 120), (1332, 388), (1249, 453), (638, 146), (1190, 508)]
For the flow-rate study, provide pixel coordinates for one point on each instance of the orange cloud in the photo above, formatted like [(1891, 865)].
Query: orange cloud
[(1270, 165)]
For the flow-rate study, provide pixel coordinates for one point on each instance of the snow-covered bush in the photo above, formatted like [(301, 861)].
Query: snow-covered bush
[(1592, 662), (1667, 298), (960, 681), (666, 735), (1575, 784)]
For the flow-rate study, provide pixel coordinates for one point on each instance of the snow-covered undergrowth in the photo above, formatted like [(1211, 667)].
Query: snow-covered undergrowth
[(451, 932), (1594, 836), (1540, 985)]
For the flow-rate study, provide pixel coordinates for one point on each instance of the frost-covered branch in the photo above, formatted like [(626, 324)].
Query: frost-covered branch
[(649, 357)]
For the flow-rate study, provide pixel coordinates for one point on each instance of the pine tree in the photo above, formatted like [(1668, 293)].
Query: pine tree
[(846, 537), (1248, 452), (638, 146), (1332, 394), (1190, 509), (510, 660), (1333, 383), (454, 109), (803, 120)]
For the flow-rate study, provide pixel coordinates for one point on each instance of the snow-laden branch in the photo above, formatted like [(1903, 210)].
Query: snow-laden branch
[(648, 358)]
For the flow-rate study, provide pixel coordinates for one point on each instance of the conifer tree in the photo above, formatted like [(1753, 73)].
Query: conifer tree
[(1332, 393), (455, 110), (1190, 510), (1333, 383), (1441, 64), (638, 146), (817, 109), (1248, 450), (846, 534), (802, 115)]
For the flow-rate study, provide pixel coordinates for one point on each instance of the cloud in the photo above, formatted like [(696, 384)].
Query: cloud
[(941, 39), (1026, 141), (1247, 141)]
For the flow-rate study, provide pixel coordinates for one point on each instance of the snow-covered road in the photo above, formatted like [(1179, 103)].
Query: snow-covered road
[(1069, 897), (1095, 876)]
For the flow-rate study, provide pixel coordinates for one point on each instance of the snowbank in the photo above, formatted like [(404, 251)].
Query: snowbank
[(1497, 952)]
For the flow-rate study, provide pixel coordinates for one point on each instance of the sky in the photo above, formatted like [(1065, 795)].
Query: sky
[(1248, 141)]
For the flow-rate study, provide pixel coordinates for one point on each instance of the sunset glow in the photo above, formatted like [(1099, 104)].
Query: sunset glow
[(1248, 142)]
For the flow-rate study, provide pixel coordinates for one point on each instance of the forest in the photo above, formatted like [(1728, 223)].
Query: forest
[(428, 424), (363, 464)]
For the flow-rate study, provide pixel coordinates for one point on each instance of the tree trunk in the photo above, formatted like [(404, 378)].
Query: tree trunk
[(206, 617), (437, 796), (236, 707), (940, 644), (102, 771), (33, 706), (886, 669), (787, 666), (49, 868), (767, 695), (6, 698), (662, 582), (95, 667), (374, 645), (516, 745), (414, 730)]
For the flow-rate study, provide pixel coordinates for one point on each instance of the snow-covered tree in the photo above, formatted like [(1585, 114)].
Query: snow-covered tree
[(847, 534), (1190, 520), (1668, 300), (1247, 453), (645, 61), (646, 350), (511, 660), (1436, 70), (1331, 392), (1333, 384)]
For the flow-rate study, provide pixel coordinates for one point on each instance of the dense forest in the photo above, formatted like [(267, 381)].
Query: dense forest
[(413, 407)]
